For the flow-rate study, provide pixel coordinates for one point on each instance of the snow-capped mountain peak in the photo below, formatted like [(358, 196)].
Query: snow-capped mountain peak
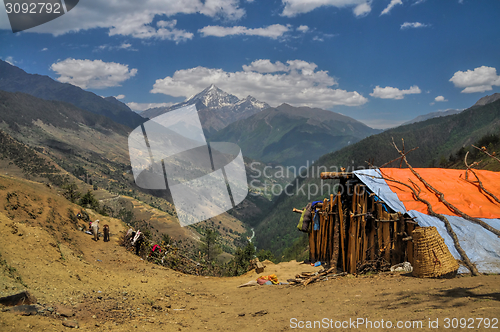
[(216, 108), (213, 97), (250, 101)]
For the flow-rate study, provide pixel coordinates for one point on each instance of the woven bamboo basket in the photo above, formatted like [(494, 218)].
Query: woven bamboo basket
[(431, 255)]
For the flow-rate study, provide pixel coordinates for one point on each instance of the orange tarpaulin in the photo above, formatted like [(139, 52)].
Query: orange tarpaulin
[(464, 195)]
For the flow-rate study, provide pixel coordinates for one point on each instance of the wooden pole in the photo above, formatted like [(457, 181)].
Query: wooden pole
[(342, 234), (386, 233), (317, 240), (371, 241), (335, 175), (351, 245), (380, 237), (409, 245), (359, 200), (400, 247), (324, 237), (395, 252), (335, 252), (311, 247), (363, 230), (331, 221)]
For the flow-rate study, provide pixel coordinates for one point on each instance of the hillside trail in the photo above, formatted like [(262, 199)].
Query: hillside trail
[(108, 288)]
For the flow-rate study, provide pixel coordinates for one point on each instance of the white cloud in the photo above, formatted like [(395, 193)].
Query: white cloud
[(391, 5), (165, 30), (408, 25), (44, 49), (480, 79), (440, 98), (95, 74), (134, 18), (303, 28), (227, 9), (266, 66), (120, 97), (363, 9), (295, 7), (10, 60), (139, 107), (324, 36), (393, 93), (296, 82), (273, 31), (123, 46)]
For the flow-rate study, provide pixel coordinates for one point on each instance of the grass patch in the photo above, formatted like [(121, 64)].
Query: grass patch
[(11, 271), (60, 251)]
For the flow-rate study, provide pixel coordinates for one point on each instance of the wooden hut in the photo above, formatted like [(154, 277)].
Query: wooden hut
[(358, 228), (372, 217)]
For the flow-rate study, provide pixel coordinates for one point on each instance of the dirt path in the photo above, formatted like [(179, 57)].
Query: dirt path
[(111, 289)]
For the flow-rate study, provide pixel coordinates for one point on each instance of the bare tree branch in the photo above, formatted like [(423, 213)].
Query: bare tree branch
[(440, 195), (486, 152), (403, 155), (390, 162), (469, 168)]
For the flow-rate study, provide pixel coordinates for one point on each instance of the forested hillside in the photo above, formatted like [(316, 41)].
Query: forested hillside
[(14, 79), (293, 136)]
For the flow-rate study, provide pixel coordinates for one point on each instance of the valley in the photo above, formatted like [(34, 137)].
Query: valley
[(59, 160)]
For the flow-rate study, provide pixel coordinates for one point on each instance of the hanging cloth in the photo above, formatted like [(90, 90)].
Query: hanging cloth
[(316, 220)]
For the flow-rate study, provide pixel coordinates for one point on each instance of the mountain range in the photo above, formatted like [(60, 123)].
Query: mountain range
[(481, 102), (216, 108), (284, 135), (432, 115), (14, 79), (293, 136), (487, 99)]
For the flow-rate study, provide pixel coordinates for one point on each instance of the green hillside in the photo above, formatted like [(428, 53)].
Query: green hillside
[(14, 79), (440, 141), (23, 110), (292, 136)]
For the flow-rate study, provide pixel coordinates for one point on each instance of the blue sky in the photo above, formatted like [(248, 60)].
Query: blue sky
[(382, 62)]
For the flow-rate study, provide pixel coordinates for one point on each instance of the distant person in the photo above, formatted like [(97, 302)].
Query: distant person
[(105, 230), (137, 241), (95, 230), (138, 244)]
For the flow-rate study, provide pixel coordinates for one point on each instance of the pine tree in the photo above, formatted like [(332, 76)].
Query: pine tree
[(209, 245)]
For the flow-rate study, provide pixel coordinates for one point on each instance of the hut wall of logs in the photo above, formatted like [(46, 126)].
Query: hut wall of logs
[(357, 231)]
